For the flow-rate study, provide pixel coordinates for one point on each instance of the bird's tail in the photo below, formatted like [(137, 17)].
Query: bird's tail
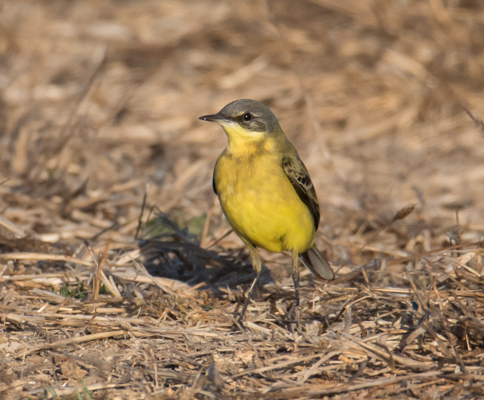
[(317, 264)]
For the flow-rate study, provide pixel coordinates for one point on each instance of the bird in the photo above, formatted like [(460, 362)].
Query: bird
[(265, 191)]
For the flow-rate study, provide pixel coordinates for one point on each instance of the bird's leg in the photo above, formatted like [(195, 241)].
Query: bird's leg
[(295, 275), (256, 264), (295, 278)]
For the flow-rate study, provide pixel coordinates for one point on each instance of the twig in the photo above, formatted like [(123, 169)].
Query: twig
[(220, 239), (401, 214), (43, 257), (206, 223), (478, 122), (80, 339), (140, 218)]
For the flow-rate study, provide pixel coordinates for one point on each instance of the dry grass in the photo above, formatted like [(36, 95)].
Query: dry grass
[(99, 104)]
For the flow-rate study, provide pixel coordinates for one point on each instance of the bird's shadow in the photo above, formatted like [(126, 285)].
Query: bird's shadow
[(173, 252)]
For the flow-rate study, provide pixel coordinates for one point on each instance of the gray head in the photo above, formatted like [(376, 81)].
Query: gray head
[(250, 115)]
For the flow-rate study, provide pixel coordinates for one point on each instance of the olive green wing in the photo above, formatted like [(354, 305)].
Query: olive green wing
[(298, 175)]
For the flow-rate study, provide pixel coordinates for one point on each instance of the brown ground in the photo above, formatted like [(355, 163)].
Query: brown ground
[(99, 104)]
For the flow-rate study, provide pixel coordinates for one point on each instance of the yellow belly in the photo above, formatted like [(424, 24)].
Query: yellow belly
[(261, 204)]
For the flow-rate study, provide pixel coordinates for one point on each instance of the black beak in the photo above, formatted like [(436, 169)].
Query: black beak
[(212, 118)]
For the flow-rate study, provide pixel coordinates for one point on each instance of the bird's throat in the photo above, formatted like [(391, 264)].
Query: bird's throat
[(243, 143)]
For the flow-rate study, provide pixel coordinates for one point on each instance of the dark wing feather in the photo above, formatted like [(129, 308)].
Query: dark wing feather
[(213, 185), (298, 175)]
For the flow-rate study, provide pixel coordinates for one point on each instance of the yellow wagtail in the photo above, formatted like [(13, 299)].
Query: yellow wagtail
[(265, 190)]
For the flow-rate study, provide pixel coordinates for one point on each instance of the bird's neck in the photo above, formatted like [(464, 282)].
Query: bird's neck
[(242, 143), (246, 147)]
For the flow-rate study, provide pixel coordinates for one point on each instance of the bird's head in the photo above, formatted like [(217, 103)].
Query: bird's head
[(246, 120)]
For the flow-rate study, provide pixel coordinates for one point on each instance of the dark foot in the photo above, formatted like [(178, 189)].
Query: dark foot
[(293, 308), (294, 315), (238, 322)]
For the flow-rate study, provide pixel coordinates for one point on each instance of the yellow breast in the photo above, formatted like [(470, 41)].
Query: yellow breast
[(261, 204)]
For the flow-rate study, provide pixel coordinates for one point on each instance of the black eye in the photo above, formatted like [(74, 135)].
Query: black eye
[(247, 117)]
